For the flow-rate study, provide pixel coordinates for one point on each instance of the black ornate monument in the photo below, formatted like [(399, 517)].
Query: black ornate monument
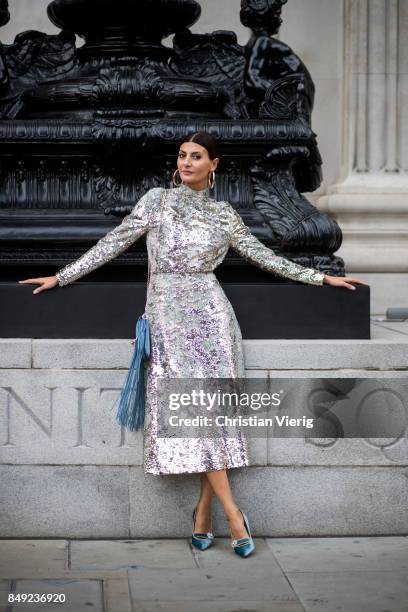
[(86, 130)]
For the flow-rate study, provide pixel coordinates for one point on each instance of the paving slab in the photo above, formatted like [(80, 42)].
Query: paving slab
[(393, 327), (388, 554), (19, 558), (349, 574), (117, 594), (251, 582), (5, 588), (217, 606), (221, 557), (355, 591), (80, 595), (120, 554), (113, 586)]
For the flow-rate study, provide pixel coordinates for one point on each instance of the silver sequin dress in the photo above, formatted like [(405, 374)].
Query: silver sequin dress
[(194, 330)]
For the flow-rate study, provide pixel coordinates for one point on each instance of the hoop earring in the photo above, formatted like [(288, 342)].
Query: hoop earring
[(211, 179), (174, 178)]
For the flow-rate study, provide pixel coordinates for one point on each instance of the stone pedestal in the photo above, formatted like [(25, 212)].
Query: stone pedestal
[(68, 470), (267, 307), (370, 201)]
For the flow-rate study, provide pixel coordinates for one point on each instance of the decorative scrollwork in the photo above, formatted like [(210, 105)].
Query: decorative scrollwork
[(97, 126)]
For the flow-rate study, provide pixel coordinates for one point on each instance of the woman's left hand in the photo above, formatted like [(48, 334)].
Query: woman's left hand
[(342, 281)]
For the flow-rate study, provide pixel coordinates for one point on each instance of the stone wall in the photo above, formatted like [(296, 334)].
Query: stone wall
[(68, 470)]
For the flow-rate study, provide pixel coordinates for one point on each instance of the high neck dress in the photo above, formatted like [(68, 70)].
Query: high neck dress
[(194, 330)]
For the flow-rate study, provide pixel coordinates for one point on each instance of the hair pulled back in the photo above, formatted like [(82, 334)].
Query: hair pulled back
[(205, 140)]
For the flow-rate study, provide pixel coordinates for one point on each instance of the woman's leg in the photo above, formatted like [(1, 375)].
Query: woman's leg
[(203, 513), (221, 487)]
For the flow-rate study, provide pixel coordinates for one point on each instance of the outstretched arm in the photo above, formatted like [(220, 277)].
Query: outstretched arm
[(252, 249), (115, 242)]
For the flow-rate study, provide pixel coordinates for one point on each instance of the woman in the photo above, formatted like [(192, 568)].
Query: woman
[(194, 331)]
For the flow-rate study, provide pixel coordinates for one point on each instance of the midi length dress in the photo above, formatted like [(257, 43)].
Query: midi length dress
[(194, 330)]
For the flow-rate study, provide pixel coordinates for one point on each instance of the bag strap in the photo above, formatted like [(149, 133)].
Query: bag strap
[(156, 255)]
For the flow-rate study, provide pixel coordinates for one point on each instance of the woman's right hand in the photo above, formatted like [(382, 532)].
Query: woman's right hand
[(45, 282)]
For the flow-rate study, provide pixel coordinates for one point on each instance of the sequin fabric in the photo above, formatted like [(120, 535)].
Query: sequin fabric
[(194, 330)]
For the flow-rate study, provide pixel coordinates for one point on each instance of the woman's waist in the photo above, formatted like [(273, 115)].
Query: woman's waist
[(184, 273), (173, 279)]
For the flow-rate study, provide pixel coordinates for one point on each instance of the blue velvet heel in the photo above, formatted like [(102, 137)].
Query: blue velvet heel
[(244, 546), (202, 541)]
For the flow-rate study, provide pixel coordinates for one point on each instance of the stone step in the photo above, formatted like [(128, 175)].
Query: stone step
[(386, 350), (68, 470)]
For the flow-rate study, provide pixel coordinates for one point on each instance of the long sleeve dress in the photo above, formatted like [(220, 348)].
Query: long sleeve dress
[(194, 330)]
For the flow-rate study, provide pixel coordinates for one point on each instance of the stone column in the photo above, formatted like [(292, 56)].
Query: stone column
[(370, 201)]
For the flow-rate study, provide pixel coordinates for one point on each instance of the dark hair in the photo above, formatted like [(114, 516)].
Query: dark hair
[(205, 140)]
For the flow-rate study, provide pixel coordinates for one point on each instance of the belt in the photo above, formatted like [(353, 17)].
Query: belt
[(183, 273)]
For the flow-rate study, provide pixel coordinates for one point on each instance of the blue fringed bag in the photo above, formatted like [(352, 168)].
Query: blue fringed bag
[(131, 409)]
